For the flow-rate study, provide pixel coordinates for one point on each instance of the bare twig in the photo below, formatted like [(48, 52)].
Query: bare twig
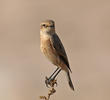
[(51, 90)]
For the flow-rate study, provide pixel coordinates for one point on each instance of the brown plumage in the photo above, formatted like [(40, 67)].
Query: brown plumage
[(53, 49)]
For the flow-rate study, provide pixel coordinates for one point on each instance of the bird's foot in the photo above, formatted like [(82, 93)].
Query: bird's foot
[(50, 82)]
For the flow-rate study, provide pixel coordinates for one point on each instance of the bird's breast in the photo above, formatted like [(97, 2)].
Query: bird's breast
[(45, 43), (48, 50)]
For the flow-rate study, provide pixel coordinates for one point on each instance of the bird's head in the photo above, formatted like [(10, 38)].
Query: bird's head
[(47, 26)]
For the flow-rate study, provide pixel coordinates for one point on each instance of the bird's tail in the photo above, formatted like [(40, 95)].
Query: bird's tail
[(69, 80)]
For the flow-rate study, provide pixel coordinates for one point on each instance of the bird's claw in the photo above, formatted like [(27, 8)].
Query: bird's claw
[(47, 81), (50, 82)]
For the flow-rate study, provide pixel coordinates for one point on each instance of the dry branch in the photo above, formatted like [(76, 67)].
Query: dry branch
[(51, 90)]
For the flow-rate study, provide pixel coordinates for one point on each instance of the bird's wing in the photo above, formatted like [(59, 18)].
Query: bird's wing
[(58, 46)]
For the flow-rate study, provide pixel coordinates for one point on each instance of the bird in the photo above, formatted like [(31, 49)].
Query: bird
[(52, 47)]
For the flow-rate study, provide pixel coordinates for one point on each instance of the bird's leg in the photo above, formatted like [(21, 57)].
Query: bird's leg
[(56, 74), (53, 73), (47, 80), (50, 80)]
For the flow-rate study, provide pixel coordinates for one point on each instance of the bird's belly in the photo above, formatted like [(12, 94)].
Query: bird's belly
[(49, 54), (48, 51)]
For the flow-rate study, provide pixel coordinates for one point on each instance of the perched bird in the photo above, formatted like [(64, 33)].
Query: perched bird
[(53, 49)]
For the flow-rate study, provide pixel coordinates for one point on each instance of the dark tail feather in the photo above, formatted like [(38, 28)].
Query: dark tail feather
[(69, 81)]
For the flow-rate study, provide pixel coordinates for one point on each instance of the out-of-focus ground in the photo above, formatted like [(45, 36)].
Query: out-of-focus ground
[(84, 28)]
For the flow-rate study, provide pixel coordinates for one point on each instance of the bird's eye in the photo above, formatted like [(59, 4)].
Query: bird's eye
[(44, 25)]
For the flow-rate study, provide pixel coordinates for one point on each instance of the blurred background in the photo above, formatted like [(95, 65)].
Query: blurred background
[(84, 28)]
